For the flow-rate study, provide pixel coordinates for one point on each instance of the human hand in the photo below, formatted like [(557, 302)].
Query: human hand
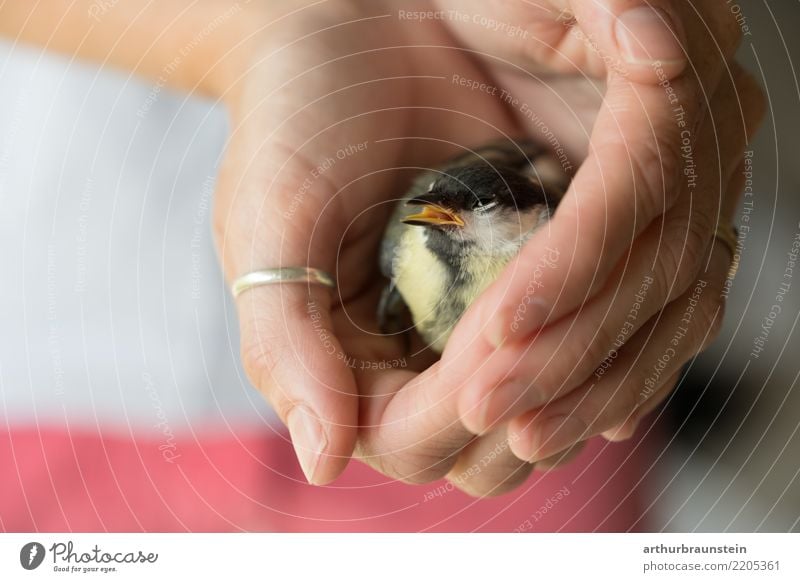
[(305, 80), (299, 103), (329, 123), (593, 341)]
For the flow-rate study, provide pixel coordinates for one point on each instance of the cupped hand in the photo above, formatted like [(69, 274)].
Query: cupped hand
[(335, 113), (345, 101), (588, 328)]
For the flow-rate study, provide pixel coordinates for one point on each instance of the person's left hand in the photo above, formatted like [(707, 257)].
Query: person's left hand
[(587, 330)]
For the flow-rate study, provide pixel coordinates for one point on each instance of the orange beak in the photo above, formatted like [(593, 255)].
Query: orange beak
[(434, 215)]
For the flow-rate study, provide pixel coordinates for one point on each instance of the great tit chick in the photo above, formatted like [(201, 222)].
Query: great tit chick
[(458, 227)]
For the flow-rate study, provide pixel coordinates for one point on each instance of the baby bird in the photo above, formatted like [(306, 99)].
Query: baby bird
[(456, 229)]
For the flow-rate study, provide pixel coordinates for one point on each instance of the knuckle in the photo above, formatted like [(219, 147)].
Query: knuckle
[(415, 468), (680, 257), (547, 374), (393, 467), (575, 360), (260, 357), (421, 463), (602, 414), (667, 265), (752, 98), (390, 466), (655, 164), (493, 486), (489, 476), (599, 349), (697, 238), (694, 248), (384, 463)]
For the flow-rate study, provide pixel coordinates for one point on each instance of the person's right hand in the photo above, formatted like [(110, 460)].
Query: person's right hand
[(333, 116)]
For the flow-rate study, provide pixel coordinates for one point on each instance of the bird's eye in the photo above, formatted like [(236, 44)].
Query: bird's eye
[(483, 203)]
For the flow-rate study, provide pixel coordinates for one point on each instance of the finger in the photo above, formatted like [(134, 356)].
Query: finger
[(574, 36), (627, 429), (663, 263), (629, 36), (517, 378), (562, 458), (644, 365), (749, 96), (288, 347), (487, 467), (630, 177), (410, 428), (291, 355)]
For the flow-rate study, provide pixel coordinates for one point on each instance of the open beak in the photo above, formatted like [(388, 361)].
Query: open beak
[(434, 215)]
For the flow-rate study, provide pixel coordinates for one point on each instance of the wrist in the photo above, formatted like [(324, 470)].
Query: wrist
[(239, 32)]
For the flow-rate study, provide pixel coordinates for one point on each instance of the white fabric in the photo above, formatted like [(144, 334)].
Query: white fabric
[(112, 305)]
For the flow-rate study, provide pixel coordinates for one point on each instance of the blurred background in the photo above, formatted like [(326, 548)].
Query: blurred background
[(123, 405), (736, 457)]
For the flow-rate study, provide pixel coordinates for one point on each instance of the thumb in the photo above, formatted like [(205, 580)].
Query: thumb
[(642, 40), (595, 37), (288, 347), (291, 355)]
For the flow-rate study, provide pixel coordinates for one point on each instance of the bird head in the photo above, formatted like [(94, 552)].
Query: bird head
[(483, 204)]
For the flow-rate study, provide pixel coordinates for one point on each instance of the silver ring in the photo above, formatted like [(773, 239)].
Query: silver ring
[(281, 275)]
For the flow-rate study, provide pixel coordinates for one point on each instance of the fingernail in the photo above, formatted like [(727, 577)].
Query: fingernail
[(646, 35), (557, 434), (308, 439)]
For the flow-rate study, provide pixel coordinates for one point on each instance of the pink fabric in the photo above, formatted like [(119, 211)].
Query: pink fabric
[(55, 480)]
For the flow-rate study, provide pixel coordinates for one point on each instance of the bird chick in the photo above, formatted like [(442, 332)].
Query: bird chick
[(456, 229)]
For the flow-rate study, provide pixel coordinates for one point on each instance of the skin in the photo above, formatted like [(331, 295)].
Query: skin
[(303, 80)]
